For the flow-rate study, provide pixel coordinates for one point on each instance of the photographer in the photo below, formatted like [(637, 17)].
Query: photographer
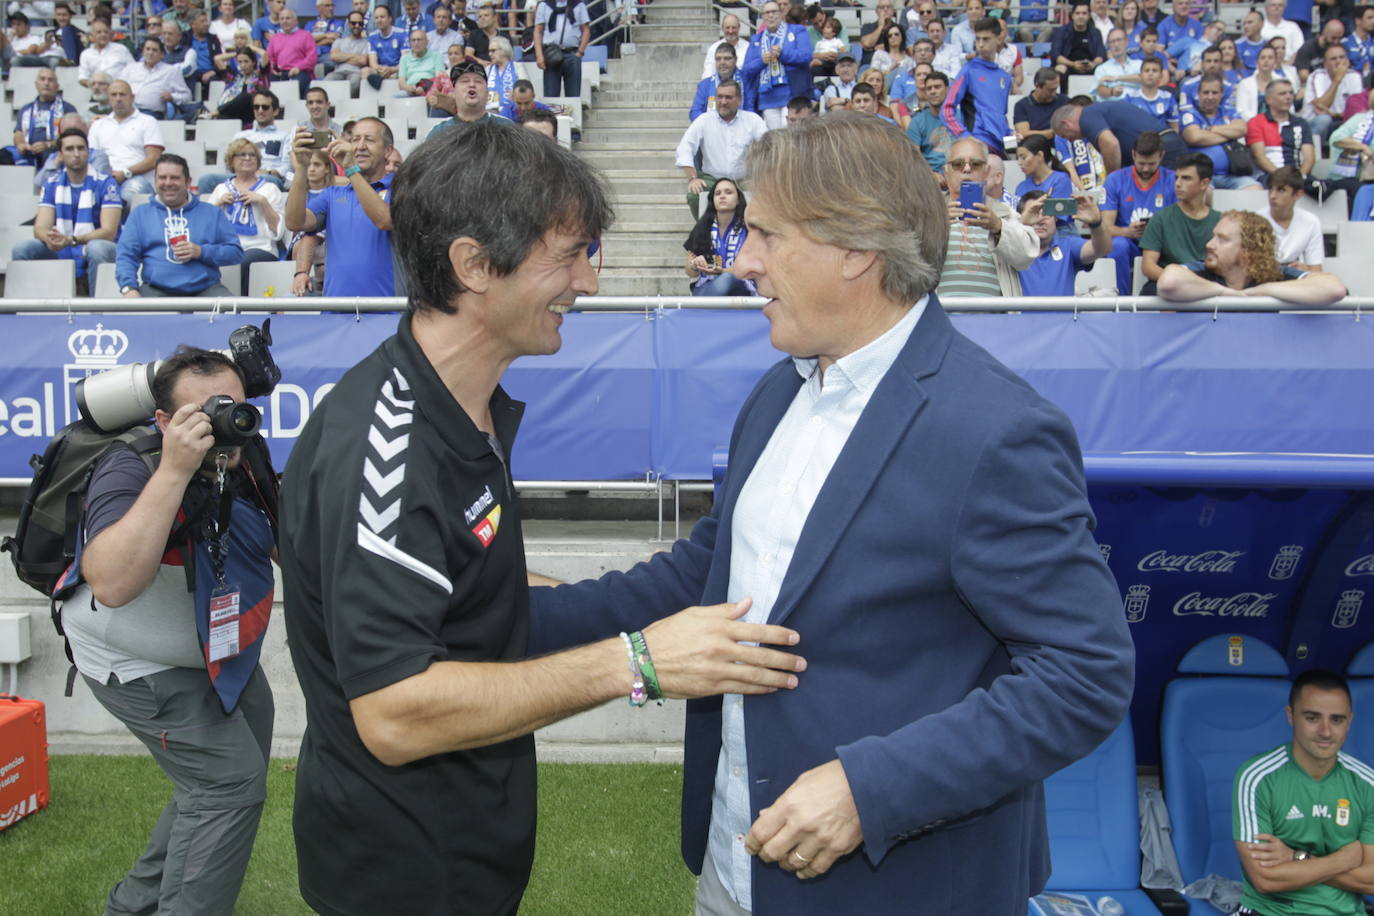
[(142, 635)]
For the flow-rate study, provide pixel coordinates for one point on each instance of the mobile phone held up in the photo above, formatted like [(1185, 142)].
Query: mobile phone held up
[(1061, 207), (970, 193)]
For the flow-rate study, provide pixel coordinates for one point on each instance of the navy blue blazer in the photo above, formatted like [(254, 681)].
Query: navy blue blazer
[(964, 637)]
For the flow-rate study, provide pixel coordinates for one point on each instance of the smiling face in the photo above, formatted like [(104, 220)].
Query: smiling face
[(369, 144), (798, 276), (1321, 723), (527, 305), (173, 185)]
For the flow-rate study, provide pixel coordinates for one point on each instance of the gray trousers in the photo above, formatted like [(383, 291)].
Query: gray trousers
[(712, 897), (198, 853)]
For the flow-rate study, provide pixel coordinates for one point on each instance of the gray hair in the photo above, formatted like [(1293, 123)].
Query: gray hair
[(1274, 84), (513, 188), (887, 199)]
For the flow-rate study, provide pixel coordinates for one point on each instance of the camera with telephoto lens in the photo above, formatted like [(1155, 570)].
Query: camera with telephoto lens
[(232, 422), (123, 396)]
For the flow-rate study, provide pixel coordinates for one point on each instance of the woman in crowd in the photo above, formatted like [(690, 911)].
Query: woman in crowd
[(875, 79), (227, 62), (891, 55), (1232, 67), (237, 99), (1128, 17), (253, 206), (307, 251), (1044, 172), (715, 241), (1249, 95)]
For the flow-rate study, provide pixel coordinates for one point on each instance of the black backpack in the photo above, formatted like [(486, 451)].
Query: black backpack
[(44, 544)]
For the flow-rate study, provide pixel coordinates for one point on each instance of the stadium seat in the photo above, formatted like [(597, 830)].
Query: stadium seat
[(40, 279), (103, 284), (214, 136), (9, 235), (1332, 212), (231, 275), (600, 54), (1102, 275), (1137, 277), (1081, 84), (1360, 673), (1209, 726), (1354, 239), (16, 179), (18, 208), (1353, 271), (276, 275), (346, 109), (1014, 175), (1094, 825), (1256, 200), (411, 109), (24, 89)]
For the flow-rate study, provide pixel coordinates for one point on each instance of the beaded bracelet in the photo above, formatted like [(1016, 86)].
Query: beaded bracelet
[(637, 695), (646, 666)]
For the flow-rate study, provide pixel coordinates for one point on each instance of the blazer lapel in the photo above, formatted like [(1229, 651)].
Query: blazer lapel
[(891, 410), (756, 428)]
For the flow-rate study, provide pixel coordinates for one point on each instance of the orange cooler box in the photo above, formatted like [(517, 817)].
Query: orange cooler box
[(23, 758)]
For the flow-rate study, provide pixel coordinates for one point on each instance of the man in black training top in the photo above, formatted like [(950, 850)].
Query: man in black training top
[(407, 600)]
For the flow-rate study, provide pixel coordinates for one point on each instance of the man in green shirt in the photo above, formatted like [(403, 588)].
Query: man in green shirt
[(1303, 813), (419, 65), (1179, 233)]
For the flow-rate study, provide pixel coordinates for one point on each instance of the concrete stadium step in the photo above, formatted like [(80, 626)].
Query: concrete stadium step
[(648, 262), (647, 95), (636, 282), (614, 119), (631, 136), (675, 34), (672, 185), (662, 215), (663, 148), (627, 113), (616, 159)]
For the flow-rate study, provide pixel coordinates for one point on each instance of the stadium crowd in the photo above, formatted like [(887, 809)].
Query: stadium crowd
[(1282, 106), (1166, 107)]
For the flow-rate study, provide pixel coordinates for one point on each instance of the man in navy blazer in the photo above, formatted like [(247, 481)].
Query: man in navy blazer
[(918, 514)]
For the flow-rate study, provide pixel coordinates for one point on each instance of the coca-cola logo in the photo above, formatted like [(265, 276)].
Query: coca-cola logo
[(1241, 604), (1364, 566), (1208, 561)]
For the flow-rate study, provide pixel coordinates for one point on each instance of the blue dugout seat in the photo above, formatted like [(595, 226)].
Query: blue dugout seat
[(1360, 674), (1094, 824), (598, 53), (1209, 726)]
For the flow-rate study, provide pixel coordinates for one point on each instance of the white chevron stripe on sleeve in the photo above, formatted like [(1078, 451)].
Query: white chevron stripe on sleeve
[(397, 401), (387, 450), (402, 385), (392, 420), (377, 520), (383, 484), (373, 544)]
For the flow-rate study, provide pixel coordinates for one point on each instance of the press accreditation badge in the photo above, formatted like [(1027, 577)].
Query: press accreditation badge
[(224, 623)]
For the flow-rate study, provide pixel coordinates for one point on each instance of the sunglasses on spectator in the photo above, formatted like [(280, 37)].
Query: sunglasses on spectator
[(960, 165), (257, 107)]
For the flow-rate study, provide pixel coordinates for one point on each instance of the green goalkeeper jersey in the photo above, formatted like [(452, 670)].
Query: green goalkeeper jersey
[(1272, 794)]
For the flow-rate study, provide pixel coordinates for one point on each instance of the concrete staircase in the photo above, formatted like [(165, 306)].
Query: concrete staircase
[(631, 133)]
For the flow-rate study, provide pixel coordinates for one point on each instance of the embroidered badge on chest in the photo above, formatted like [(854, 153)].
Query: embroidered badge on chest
[(1342, 812), (485, 530)]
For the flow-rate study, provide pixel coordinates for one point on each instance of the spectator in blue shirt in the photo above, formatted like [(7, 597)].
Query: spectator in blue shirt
[(926, 129), (522, 102), (1044, 172), (35, 125), (1251, 40), (1033, 21), (1359, 44), (1179, 29), (357, 215), (705, 99), (78, 215), (1151, 98), (986, 85), (1211, 125), (326, 29), (412, 18), (266, 26), (1134, 196), (1211, 66), (388, 44), (1149, 49), (1061, 256)]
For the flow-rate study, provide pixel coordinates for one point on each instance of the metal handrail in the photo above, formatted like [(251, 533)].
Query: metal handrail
[(227, 306)]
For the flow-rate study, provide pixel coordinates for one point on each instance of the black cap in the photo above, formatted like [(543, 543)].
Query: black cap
[(467, 66)]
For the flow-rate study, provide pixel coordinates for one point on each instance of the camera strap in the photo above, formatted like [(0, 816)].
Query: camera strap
[(218, 523)]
